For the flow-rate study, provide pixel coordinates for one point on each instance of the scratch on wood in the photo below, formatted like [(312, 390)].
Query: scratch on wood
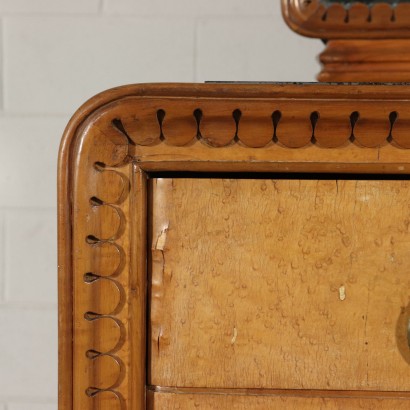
[(162, 239), (159, 338), (342, 293), (235, 335)]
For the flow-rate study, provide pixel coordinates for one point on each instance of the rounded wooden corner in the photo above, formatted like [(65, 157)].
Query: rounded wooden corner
[(65, 273), (297, 18), (66, 164)]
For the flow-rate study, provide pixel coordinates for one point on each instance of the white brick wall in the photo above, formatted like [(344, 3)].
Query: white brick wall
[(28, 354), (54, 54), (49, 6), (31, 406), (192, 7), (63, 61), (27, 232), (28, 159), (250, 49)]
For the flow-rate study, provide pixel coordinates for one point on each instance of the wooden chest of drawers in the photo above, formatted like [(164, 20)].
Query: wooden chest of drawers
[(236, 247)]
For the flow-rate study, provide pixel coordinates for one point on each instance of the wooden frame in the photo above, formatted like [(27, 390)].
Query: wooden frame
[(119, 138), (359, 21)]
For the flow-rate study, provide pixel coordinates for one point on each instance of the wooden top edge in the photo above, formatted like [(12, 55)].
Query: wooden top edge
[(247, 89), (350, 91)]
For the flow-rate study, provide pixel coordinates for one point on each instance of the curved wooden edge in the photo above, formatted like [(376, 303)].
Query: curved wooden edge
[(359, 21), (160, 155), (65, 285), (65, 269)]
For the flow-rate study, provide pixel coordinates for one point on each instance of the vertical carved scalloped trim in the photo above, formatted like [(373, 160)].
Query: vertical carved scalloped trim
[(101, 246), (107, 364)]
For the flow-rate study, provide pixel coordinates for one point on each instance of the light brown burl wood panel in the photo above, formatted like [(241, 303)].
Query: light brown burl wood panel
[(161, 401), (289, 284)]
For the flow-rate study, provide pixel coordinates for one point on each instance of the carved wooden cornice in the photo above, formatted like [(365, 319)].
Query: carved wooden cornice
[(330, 20), (287, 123), (283, 120)]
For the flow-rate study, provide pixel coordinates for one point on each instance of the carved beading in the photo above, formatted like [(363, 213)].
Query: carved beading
[(106, 362), (101, 197), (289, 124)]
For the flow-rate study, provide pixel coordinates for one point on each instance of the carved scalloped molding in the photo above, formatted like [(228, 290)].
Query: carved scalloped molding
[(108, 359), (285, 122), (100, 185), (312, 18)]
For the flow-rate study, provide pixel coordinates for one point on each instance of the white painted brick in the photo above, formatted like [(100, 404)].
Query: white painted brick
[(49, 6), (28, 155), (254, 49), (53, 64), (28, 346), (192, 7), (31, 257), (32, 406)]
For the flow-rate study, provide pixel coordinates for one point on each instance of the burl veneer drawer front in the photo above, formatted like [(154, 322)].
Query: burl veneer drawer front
[(279, 284)]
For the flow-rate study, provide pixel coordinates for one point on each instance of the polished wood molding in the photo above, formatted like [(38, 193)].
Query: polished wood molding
[(367, 43), (119, 138), (314, 18), (366, 61)]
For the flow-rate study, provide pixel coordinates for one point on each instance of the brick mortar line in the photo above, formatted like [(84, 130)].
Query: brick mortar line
[(163, 15), (6, 305), (26, 400), (29, 208), (25, 14), (34, 115)]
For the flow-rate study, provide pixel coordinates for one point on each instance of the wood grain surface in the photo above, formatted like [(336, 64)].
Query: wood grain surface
[(289, 284), (366, 61)]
